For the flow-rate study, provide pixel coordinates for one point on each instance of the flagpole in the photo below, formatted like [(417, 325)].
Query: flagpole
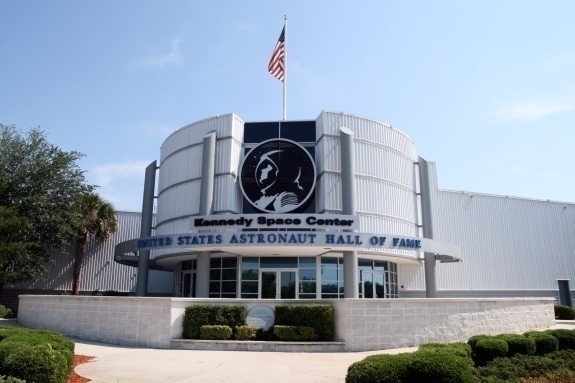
[(285, 67)]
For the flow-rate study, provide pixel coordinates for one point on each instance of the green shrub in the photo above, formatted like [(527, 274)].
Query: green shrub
[(319, 316), (10, 379), (544, 343), (564, 312), (552, 367), (19, 347), (38, 364), (565, 337), (518, 344), (474, 339), (487, 349), (457, 348), (4, 311), (197, 316), (379, 369), (245, 332), (295, 333), (216, 332), (439, 367)]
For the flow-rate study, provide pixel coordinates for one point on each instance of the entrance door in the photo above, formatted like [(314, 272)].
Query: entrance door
[(189, 284), (373, 284), (278, 284)]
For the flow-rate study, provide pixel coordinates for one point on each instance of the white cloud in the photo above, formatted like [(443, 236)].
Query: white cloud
[(173, 57), (121, 183), (534, 109)]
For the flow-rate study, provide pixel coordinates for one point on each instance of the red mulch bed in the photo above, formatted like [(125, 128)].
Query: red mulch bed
[(79, 359)]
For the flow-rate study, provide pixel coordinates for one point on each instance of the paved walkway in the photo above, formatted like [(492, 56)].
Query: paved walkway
[(127, 365)]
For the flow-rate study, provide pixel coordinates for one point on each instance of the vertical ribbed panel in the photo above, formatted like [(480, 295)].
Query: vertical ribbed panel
[(100, 272), (180, 170), (384, 173), (224, 126), (507, 243), (368, 130), (179, 200)]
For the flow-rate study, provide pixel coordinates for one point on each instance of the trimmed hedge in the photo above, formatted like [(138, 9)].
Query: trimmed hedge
[(564, 312), (379, 369), (457, 348), (295, 333), (565, 337), (36, 355), (217, 332), (245, 332), (518, 344), (437, 366), (487, 349), (319, 316), (544, 343), (205, 315)]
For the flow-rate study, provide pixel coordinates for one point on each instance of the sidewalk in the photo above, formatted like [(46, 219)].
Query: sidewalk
[(131, 365)]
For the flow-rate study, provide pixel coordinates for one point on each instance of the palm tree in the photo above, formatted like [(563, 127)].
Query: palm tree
[(98, 221)]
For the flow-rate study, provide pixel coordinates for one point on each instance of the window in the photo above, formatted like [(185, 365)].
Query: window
[(331, 277), (307, 278), (223, 277)]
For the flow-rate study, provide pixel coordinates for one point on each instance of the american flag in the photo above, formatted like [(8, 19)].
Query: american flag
[(277, 62)]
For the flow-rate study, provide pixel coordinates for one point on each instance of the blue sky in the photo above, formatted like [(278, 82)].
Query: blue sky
[(486, 89)]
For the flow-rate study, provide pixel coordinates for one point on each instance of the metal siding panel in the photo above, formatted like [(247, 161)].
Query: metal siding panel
[(100, 272), (507, 243), (224, 126)]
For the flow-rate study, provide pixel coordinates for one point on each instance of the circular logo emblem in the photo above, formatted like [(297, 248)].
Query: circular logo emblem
[(277, 176)]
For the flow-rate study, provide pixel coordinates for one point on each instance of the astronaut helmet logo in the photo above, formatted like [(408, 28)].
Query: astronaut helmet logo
[(278, 176)]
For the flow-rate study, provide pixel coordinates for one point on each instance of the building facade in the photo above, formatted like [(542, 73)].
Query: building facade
[(336, 207)]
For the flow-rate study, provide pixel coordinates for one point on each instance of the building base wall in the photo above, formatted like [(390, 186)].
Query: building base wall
[(362, 324)]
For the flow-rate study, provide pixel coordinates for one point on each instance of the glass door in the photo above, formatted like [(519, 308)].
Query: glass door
[(373, 284), (189, 284), (278, 284)]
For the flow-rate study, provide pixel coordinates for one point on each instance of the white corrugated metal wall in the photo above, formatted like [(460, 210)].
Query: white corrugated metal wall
[(509, 245), (384, 174), (100, 272)]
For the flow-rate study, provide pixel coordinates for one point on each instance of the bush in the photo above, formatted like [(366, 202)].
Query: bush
[(295, 333), (36, 355), (200, 315), (245, 332), (439, 367), (564, 312), (319, 316), (217, 332), (458, 348), (544, 343), (434, 364), (487, 349), (4, 311), (518, 344), (379, 369), (38, 364), (565, 337), (10, 379)]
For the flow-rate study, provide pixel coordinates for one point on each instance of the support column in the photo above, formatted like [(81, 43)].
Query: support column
[(146, 229), (206, 208), (429, 258), (350, 265)]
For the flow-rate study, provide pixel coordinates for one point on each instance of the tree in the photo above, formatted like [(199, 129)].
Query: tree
[(41, 188), (98, 221)]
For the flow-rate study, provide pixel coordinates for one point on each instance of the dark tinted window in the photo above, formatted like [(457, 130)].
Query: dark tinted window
[(256, 132), (298, 131)]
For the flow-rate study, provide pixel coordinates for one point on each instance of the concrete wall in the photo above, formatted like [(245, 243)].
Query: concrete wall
[(362, 324)]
